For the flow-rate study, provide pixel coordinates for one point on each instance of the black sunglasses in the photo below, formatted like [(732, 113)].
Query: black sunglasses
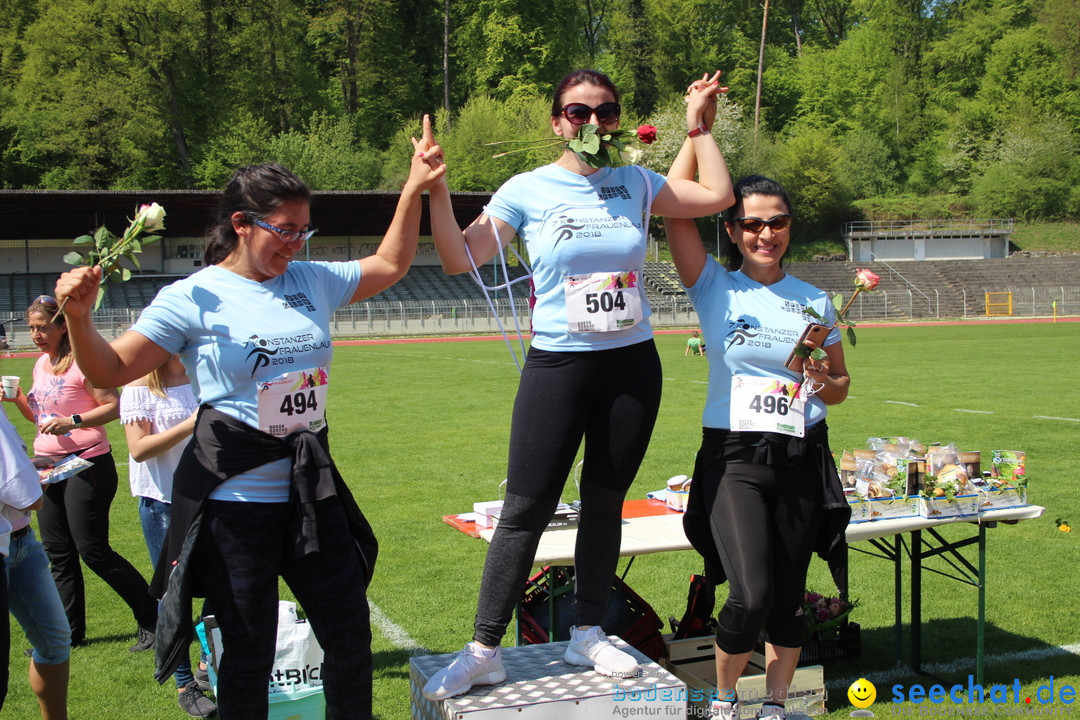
[(580, 113), (755, 225), (47, 300)]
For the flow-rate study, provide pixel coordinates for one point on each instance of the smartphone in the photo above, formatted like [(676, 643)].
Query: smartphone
[(816, 334)]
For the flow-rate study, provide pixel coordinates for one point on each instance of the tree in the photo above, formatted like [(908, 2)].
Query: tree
[(510, 48)]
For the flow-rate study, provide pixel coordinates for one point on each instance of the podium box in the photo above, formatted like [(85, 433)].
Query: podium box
[(540, 685)]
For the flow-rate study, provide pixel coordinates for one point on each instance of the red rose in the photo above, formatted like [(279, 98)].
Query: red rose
[(646, 134)]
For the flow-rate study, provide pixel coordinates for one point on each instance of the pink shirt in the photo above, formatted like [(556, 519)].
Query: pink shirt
[(62, 396)]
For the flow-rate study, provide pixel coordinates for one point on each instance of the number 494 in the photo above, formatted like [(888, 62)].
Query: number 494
[(298, 403)]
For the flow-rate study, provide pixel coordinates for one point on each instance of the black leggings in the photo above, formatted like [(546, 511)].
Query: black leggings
[(608, 397), (764, 521), (74, 523)]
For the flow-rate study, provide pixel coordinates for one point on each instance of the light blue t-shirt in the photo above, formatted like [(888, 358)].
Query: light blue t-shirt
[(576, 225), (751, 329), (232, 333)]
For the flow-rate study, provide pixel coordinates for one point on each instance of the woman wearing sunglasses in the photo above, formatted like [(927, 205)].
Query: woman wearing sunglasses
[(70, 412), (256, 495), (765, 494), (592, 372)]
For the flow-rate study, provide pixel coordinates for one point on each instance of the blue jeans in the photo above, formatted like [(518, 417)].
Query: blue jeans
[(154, 516), (35, 602)]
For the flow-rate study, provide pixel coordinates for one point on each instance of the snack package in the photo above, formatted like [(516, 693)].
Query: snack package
[(1007, 467), (946, 475)]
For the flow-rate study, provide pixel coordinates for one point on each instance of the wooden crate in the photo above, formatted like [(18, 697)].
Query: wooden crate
[(693, 661)]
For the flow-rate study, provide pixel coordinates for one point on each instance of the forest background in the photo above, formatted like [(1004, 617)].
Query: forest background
[(872, 109)]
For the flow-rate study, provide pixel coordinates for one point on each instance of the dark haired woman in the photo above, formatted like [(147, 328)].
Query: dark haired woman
[(256, 494), (70, 412), (765, 494), (592, 371)]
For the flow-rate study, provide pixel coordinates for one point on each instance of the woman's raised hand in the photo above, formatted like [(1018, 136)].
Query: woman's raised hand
[(427, 166), (701, 99)]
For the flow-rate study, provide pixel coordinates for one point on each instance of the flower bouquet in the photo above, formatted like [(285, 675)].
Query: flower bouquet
[(108, 250), (825, 613), (595, 149), (829, 634)]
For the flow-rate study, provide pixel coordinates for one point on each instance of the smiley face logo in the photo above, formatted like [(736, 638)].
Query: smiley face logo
[(862, 693)]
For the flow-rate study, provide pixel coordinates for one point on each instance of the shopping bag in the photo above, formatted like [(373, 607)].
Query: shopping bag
[(298, 658), (298, 661)]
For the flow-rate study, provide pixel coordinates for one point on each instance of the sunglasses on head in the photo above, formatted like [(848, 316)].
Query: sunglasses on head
[(47, 300), (580, 113), (755, 225)]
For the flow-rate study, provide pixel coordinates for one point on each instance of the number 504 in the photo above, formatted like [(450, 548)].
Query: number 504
[(595, 302)]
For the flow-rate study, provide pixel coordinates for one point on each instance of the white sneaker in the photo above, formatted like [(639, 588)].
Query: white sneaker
[(470, 667), (768, 711), (591, 648), (724, 710)]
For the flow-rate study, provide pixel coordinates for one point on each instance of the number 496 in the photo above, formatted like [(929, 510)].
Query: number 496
[(770, 404)]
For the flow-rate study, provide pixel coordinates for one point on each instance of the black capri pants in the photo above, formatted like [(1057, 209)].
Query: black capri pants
[(764, 520)]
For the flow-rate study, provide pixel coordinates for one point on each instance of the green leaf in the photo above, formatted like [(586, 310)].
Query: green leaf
[(83, 239), (125, 274), (819, 354), (150, 239), (100, 296), (74, 258), (851, 336), (838, 301), (812, 312), (102, 236), (802, 350)]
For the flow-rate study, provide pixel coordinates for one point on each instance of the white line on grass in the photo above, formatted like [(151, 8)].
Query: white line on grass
[(394, 632), (898, 402), (977, 412), (961, 665), (1051, 417)]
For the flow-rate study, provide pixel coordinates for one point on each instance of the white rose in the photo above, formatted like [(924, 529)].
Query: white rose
[(152, 216)]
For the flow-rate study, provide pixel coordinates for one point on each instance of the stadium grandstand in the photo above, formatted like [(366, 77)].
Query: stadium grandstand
[(38, 228)]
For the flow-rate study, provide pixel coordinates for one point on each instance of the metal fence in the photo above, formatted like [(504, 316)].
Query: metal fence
[(466, 317), (907, 304)]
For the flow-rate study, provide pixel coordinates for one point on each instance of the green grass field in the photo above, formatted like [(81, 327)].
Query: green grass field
[(419, 429)]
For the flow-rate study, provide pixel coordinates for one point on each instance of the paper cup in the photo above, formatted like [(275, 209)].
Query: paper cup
[(11, 386)]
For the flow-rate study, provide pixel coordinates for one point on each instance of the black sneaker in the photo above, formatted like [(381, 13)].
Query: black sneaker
[(202, 679), (194, 703), (144, 641)]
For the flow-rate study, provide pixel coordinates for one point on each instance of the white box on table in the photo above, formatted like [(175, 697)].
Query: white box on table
[(997, 498), (693, 661), (860, 509), (891, 507), (486, 510), (946, 507), (540, 685)]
